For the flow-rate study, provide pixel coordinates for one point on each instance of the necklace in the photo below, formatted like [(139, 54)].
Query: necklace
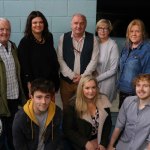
[(42, 41)]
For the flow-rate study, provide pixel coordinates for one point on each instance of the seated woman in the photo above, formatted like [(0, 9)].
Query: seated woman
[(87, 120)]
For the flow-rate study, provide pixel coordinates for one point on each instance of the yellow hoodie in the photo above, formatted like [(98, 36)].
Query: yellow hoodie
[(28, 108)]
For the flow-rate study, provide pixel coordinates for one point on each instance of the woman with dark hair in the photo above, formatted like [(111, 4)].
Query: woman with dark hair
[(36, 52)]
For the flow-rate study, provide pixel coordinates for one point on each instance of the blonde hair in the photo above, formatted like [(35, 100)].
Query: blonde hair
[(107, 22), (139, 23), (80, 103)]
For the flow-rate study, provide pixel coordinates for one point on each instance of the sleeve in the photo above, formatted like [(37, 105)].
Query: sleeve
[(23, 55), (58, 142), (106, 129), (55, 66), (93, 62), (145, 62), (121, 119), (18, 138), (113, 61), (70, 128), (64, 69)]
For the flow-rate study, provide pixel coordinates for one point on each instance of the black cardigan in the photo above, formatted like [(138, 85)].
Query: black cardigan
[(38, 60)]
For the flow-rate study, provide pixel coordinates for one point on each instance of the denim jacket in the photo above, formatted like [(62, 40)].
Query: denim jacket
[(132, 63)]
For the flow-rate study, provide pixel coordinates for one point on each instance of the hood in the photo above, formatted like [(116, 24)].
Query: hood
[(28, 108)]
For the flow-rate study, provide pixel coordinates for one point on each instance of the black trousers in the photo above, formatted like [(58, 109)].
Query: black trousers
[(6, 139), (122, 97)]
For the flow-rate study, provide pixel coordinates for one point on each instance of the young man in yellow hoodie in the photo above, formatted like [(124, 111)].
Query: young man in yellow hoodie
[(37, 126)]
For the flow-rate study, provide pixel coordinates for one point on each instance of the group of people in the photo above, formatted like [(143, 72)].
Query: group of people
[(88, 70)]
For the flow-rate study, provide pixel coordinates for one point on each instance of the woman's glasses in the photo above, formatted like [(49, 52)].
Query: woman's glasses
[(103, 29)]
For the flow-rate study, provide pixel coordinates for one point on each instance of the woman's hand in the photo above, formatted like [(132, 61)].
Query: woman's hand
[(89, 146), (101, 147)]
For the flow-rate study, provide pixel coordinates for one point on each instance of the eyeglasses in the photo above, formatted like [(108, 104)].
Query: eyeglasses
[(103, 29)]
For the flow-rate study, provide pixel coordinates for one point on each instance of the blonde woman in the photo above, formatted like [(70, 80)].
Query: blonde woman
[(134, 60), (87, 120), (108, 60)]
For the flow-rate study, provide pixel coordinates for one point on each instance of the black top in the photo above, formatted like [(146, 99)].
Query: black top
[(38, 60)]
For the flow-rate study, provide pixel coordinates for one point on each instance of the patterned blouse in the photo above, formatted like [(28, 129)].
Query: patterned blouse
[(95, 123)]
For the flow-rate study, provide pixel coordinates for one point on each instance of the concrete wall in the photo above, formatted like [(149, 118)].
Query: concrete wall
[(57, 12)]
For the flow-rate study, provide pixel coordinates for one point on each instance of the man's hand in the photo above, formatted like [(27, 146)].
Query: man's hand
[(148, 146), (110, 147), (76, 78)]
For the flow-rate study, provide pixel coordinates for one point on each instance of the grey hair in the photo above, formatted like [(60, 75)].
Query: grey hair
[(81, 15), (6, 20)]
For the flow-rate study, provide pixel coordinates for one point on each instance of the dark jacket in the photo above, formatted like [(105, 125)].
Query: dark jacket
[(78, 131), (132, 63), (4, 110), (38, 61), (26, 130)]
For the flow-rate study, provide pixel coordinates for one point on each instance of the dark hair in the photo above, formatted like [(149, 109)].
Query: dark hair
[(32, 15), (42, 85)]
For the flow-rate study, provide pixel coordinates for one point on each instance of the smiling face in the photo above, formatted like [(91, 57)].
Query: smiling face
[(90, 90), (143, 89), (4, 32), (37, 25), (103, 31), (78, 25), (41, 102), (135, 35)]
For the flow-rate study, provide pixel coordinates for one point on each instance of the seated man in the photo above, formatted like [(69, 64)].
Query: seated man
[(37, 125), (133, 119)]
